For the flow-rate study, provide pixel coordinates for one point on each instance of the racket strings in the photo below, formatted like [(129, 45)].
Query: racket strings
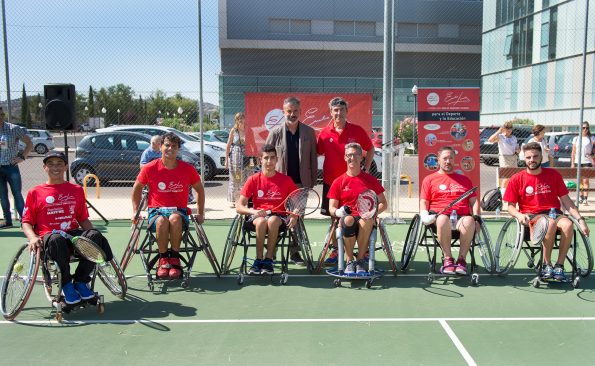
[(539, 228), (89, 250), (367, 203)]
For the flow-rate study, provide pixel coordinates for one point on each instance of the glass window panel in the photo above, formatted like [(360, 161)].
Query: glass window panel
[(279, 26), (344, 28), (365, 28), (407, 29), (427, 30), (300, 26)]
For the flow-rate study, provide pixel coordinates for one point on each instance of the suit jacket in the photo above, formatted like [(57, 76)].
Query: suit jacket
[(308, 158)]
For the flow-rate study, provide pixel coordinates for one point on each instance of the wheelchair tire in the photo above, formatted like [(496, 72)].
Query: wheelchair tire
[(483, 241), (328, 240), (300, 236), (411, 242), (113, 278), (207, 248), (18, 282), (132, 246), (508, 246), (584, 253), (231, 243), (387, 247)]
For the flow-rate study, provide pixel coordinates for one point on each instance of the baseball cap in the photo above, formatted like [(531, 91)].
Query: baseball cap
[(55, 154)]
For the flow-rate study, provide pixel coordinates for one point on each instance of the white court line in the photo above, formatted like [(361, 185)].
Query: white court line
[(294, 320), (457, 343)]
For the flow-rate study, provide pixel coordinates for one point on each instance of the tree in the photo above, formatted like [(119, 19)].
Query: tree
[(25, 114), (91, 102), (37, 107)]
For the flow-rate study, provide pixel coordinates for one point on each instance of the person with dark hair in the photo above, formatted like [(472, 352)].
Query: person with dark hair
[(60, 205), (296, 154), (343, 196), (10, 175), (437, 191), (267, 189), (539, 137), (168, 180), (585, 160), (538, 190), (331, 143)]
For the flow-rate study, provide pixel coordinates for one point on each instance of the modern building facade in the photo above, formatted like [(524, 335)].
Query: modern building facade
[(336, 46), (532, 64)]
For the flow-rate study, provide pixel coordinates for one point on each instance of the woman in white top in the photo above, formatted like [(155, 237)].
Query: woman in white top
[(508, 148), (539, 137), (584, 160)]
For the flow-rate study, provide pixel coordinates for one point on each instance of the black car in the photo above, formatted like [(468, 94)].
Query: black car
[(116, 156), (564, 150), (489, 151)]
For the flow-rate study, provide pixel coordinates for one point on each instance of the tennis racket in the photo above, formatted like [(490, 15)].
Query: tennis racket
[(458, 199), (538, 226), (367, 204), (302, 202), (84, 246)]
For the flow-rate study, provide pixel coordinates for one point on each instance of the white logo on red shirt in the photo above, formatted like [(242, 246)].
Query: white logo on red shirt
[(442, 187), (50, 199), (64, 226), (161, 185), (529, 190), (273, 195), (62, 198), (175, 187), (260, 193)]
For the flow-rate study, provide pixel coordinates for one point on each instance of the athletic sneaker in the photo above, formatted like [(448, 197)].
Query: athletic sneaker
[(296, 258), (267, 267), (350, 267), (84, 290), (558, 273), (332, 258), (448, 266), (256, 267), (360, 267), (176, 269), (547, 272), (164, 267), (70, 295), (461, 267)]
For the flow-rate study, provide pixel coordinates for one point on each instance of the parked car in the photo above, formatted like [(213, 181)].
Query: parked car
[(489, 151), (563, 151), (115, 155), (213, 135), (214, 151), (42, 141)]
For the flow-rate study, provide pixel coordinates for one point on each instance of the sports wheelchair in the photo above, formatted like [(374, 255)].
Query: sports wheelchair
[(419, 234), (240, 234), (149, 254), (373, 272), (514, 238), (22, 274)]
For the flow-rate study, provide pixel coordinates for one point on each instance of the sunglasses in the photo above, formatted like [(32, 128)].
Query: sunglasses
[(338, 102)]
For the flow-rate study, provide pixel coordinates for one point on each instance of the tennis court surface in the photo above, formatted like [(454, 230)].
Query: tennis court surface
[(401, 320)]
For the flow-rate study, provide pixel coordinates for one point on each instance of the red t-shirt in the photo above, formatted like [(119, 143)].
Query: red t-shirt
[(441, 189), (536, 193), (331, 144), (346, 189), (168, 187), (55, 207), (268, 192)]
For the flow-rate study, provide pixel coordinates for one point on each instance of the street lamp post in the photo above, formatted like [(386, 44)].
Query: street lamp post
[(118, 115), (87, 113), (180, 111), (103, 111), (40, 111), (414, 92)]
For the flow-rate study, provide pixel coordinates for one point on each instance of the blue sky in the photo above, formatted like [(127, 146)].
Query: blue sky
[(146, 44)]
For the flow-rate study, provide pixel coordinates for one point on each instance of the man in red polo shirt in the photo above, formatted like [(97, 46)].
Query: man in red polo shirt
[(437, 191), (537, 190), (168, 180), (331, 143)]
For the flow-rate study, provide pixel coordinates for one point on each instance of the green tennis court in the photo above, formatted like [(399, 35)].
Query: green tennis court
[(400, 320)]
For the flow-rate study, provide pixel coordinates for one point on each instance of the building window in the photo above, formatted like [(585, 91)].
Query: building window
[(407, 30), (522, 42), (427, 30), (508, 47), (365, 29), (279, 26), (553, 33), (290, 26), (344, 28), (509, 10)]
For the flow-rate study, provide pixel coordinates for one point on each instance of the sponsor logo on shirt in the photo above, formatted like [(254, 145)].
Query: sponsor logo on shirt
[(540, 188), (272, 195), (171, 187)]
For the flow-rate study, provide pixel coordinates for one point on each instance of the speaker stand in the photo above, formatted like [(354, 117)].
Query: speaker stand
[(89, 205)]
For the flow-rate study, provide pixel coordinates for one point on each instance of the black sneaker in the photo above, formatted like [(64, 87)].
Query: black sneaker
[(267, 267), (296, 258), (256, 267), (5, 225)]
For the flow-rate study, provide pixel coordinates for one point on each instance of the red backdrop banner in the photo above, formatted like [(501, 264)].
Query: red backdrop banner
[(449, 117), (264, 111)]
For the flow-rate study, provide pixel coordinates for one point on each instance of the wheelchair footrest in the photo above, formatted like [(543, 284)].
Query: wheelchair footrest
[(355, 276)]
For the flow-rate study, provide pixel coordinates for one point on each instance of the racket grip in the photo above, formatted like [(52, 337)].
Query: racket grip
[(62, 234)]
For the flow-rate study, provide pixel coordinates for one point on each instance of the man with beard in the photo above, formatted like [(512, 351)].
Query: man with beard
[(295, 143), (537, 190), (437, 191)]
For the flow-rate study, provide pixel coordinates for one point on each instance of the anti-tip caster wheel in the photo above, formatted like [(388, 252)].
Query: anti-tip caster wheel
[(368, 283), (59, 317), (474, 279), (430, 278), (184, 284), (240, 279), (151, 286), (337, 282), (536, 283), (284, 278), (530, 264), (100, 308), (577, 282)]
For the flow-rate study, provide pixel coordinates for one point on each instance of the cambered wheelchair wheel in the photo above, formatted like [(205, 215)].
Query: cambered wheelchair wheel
[(113, 277), (18, 282), (584, 253), (508, 246), (387, 247), (300, 236), (231, 243), (132, 246), (411, 242), (483, 241), (206, 247), (328, 240)]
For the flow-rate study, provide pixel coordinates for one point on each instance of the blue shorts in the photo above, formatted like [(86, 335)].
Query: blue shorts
[(155, 212)]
